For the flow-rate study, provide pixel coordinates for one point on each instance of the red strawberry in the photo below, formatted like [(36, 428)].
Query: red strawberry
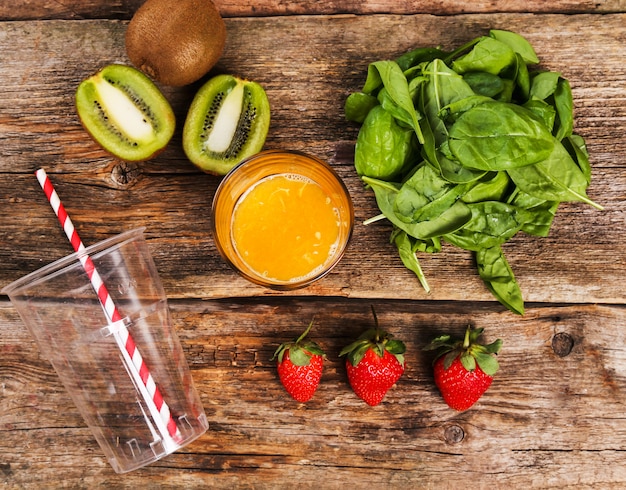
[(464, 368), (299, 365), (374, 363)]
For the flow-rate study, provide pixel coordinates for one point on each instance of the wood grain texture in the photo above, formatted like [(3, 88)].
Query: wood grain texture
[(554, 417), (546, 422), (124, 9), (308, 74)]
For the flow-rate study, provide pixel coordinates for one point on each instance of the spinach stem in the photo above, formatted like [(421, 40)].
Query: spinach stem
[(448, 59), (374, 219)]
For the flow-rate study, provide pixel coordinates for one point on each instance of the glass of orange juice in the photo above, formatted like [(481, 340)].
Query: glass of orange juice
[(282, 219)]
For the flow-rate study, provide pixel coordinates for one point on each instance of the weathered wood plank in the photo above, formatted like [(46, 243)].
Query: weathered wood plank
[(552, 418), (124, 9), (308, 66), (546, 422)]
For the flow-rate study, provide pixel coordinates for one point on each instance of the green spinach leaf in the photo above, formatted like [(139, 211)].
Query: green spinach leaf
[(442, 88), (489, 55), (425, 196), (492, 187), (576, 147), (405, 245), (383, 148), (499, 136), (518, 43), (564, 108), (397, 91), (493, 223), (358, 105), (498, 276), (451, 112), (541, 213), (557, 178), (419, 55), (483, 83), (543, 84), (543, 110), (522, 78), (451, 219)]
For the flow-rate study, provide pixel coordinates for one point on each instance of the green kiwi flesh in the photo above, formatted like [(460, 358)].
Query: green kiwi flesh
[(125, 113), (228, 121)]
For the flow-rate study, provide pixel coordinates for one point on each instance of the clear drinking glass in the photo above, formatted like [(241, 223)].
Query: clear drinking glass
[(240, 181)]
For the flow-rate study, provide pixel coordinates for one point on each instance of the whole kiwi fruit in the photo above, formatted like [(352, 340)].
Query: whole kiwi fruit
[(124, 112), (228, 121), (176, 42)]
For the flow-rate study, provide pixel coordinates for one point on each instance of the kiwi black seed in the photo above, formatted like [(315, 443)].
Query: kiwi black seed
[(124, 112), (228, 121), (176, 42)]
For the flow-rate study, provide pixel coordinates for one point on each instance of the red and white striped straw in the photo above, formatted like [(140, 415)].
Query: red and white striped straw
[(135, 363)]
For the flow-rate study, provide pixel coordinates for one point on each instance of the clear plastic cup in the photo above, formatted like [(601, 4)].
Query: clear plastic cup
[(59, 306)]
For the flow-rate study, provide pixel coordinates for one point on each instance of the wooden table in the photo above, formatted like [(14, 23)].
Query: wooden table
[(552, 418)]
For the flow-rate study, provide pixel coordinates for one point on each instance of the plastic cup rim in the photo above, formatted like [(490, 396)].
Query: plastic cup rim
[(50, 270)]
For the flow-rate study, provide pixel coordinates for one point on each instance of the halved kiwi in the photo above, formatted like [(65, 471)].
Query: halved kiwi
[(125, 113), (228, 121)]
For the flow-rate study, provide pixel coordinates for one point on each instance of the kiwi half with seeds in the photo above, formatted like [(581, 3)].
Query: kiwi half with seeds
[(125, 113), (228, 121)]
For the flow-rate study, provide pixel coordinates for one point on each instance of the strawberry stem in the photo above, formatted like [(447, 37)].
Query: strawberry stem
[(466, 340), (375, 339), (377, 332), (305, 333), (300, 352)]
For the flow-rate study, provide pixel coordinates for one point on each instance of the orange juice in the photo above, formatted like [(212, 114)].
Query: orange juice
[(285, 227), (282, 219)]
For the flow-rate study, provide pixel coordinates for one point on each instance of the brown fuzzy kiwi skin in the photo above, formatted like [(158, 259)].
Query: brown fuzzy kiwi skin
[(176, 42)]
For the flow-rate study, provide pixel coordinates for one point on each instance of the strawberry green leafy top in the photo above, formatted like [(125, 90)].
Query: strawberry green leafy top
[(471, 352)]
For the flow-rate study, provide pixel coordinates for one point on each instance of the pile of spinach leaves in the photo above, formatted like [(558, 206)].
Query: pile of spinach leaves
[(469, 147)]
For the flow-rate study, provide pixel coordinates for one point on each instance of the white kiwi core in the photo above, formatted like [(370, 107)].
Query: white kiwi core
[(226, 121), (122, 113)]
